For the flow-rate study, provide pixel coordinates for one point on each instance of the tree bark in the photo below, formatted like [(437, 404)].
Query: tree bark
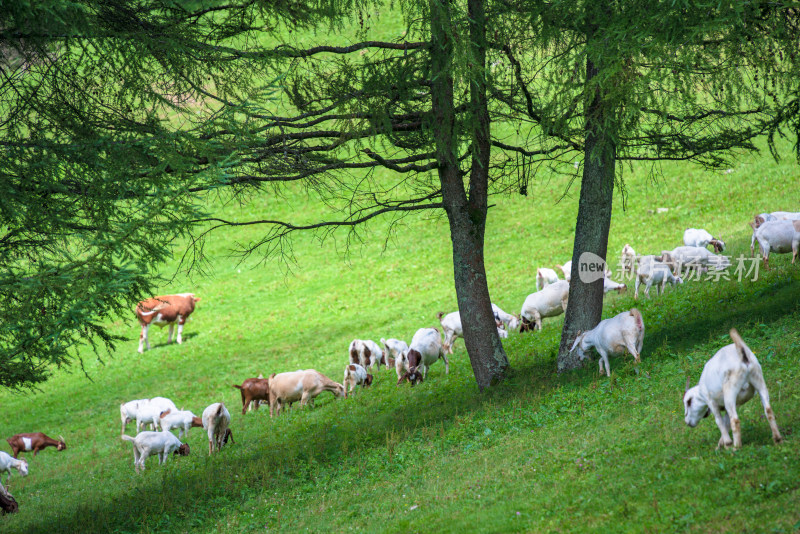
[(466, 213), (585, 305)]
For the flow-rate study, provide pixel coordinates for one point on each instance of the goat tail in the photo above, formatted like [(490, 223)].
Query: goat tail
[(125, 437), (383, 341), (637, 315), (741, 346), (439, 316), (219, 409)]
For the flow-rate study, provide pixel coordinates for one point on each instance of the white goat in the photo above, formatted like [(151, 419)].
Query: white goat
[(394, 348), (627, 259), (780, 236), (129, 410), (567, 270), (545, 277), (610, 285), (150, 412), (695, 237), (425, 350), (651, 272), (549, 302), (694, 257), (355, 375), (216, 420), (510, 322), (183, 420), (8, 462), (729, 379), (613, 336), (146, 444), (451, 324)]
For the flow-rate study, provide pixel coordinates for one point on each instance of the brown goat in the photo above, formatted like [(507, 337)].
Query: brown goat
[(253, 390), (34, 441)]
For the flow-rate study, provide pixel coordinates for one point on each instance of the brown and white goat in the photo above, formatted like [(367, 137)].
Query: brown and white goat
[(162, 311), (34, 441), (426, 349)]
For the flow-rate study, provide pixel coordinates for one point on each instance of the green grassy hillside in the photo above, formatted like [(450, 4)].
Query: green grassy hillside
[(540, 452)]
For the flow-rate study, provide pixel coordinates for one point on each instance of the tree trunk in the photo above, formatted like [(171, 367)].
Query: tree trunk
[(467, 215), (585, 305)]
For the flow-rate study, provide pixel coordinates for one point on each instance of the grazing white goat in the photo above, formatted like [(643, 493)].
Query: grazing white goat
[(627, 259), (367, 353), (545, 277), (696, 237), (781, 237), (451, 324), (610, 285), (129, 410), (425, 350), (510, 322), (149, 412), (355, 375), (652, 272), (216, 420), (729, 379), (567, 270), (7, 463), (301, 386), (549, 302), (394, 348), (614, 336), (694, 257), (148, 443), (183, 420)]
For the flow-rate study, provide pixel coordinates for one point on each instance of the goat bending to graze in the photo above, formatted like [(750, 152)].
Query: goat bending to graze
[(7, 463), (549, 302), (545, 277), (509, 322), (183, 420), (216, 420), (624, 332), (426, 349), (729, 379), (301, 386), (695, 237), (355, 375), (34, 441), (781, 236), (367, 353), (394, 348), (451, 324), (148, 443)]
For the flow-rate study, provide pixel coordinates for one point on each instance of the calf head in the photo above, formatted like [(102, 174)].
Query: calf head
[(183, 450), (228, 436), (718, 245), (368, 381), (61, 444), (413, 376), (196, 421)]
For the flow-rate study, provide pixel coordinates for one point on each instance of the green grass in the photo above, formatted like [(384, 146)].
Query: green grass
[(540, 452)]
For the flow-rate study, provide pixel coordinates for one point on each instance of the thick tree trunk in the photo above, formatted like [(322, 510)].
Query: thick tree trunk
[(467, 215), (585, 305)]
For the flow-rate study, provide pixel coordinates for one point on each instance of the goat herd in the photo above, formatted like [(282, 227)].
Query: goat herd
[(729, 378)]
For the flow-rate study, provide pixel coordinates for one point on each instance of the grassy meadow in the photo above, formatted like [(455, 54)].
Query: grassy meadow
[(539, 453)]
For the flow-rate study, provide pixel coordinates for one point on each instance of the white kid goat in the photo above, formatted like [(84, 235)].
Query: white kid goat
[(148, 443), (549, 302), (696, 237), (8, 462), (778, 236), (614, 336), (729, 379)]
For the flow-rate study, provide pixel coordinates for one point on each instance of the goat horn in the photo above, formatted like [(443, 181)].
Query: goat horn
[(62, 438), (688, 383)]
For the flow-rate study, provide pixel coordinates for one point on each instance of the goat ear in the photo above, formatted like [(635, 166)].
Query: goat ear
[(688, 385)]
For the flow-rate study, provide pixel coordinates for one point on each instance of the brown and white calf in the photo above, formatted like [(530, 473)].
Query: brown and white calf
[(367, 353), (253, 390), (426, 349), (34, 441), (162, 311)]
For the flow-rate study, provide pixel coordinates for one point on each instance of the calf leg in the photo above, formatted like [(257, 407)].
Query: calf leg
[(181, 320), (143, 340), (171, 328), (636, 289), (443, 356), (537, 319), (729, 396), (757, 380), (631, 346)]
